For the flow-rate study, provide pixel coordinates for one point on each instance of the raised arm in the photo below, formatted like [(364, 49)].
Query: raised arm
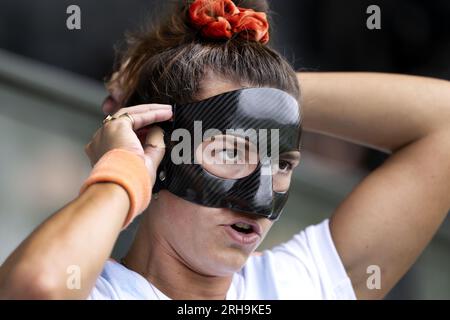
[(83, 233), (393, 214)]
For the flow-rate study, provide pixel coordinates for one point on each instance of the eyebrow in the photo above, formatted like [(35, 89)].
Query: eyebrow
[(237, 140)]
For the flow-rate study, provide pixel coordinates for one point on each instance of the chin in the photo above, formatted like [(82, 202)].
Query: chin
[(229, 261)]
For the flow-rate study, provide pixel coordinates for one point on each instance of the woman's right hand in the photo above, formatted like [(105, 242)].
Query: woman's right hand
[(120, 134)]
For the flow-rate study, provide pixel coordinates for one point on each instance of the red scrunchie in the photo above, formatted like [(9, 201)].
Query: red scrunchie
[(220, 19)]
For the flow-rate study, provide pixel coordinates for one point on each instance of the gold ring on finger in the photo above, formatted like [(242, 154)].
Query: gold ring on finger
[(108, 119), (129, 116)]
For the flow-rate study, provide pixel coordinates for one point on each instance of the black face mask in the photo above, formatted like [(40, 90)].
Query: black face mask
[(252, 110)]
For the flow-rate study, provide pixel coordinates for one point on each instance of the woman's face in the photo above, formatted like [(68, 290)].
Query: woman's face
[(203, 238), (214, 241)]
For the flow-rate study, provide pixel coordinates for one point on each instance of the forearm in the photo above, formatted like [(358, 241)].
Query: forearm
[(383, 111), (82, 234)]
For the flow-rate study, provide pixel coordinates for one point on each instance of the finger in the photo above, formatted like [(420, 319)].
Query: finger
[(109, 105), (114, 87), (155, 138), (142, 108), (141, 120), (154, 146)]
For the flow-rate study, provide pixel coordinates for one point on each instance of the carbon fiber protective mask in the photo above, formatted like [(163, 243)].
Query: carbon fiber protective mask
[(264, 117)]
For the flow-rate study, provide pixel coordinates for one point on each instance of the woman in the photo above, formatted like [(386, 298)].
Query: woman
[(190, 247)]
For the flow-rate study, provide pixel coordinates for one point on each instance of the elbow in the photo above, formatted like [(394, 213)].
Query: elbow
[(31, 284)]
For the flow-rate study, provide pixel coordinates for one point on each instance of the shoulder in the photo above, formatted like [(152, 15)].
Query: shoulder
[(117, 282), (306, 267)]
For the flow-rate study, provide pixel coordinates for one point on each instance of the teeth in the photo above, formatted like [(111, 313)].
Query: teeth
[(243, 226)]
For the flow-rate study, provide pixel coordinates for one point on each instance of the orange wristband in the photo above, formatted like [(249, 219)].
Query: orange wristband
[(128, 170)]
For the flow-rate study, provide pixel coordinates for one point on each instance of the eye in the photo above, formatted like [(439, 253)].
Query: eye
[(284, 166), (228, 155)]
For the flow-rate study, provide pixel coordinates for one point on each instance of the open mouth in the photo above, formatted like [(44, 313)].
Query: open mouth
[(242, 228), (244, 233)]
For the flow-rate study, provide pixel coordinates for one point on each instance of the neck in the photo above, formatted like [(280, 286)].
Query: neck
[(152, 257)]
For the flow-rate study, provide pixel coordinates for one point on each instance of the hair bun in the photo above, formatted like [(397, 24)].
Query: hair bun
[(257, 5), (221, 19)]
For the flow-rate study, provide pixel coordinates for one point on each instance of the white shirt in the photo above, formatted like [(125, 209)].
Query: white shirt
[(306, 267)]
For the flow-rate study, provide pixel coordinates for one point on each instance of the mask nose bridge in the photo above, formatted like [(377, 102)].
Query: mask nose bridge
[(265, 189), (259, 192)]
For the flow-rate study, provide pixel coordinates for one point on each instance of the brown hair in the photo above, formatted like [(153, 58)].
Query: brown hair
[(167, 63)]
